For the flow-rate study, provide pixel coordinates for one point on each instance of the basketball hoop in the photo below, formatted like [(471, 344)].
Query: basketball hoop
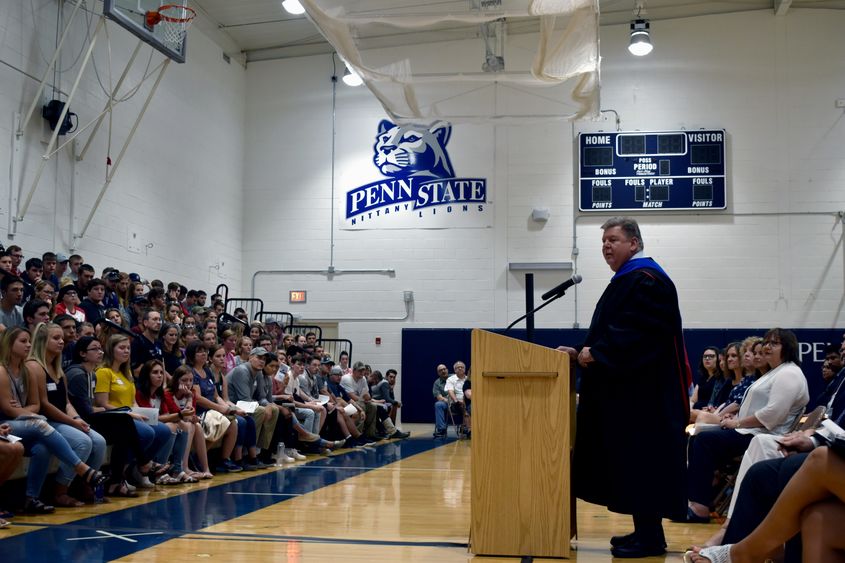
[(174, 21)]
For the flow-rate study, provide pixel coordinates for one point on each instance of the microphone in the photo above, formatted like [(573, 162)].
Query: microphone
[(560, 289)]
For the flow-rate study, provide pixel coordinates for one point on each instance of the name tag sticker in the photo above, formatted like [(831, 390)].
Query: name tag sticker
[(118, 382), (51, 387)]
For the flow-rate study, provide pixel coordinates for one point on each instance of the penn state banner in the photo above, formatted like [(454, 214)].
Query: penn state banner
[(417, 187)]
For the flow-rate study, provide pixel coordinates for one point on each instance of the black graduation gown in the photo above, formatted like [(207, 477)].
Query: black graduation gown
[(634, 464)]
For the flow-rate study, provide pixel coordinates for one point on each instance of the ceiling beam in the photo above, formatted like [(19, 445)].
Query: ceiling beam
[(781, 7)]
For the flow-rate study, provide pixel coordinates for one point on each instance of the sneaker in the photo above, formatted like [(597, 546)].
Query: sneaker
[(228, 466), (399, 435), (284, 459), (248, 465), (294, 455), (439, 433), (336, 444), (259, 464)]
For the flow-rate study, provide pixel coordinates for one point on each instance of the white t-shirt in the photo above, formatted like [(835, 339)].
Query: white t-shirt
[(293, 385), (359, 388), (456, 384)]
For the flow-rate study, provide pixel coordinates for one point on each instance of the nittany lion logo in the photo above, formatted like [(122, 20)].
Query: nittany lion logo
[(413, 150), (419, 177)]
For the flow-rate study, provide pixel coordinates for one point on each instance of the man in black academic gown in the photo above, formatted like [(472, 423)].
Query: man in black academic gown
[(633, 362)]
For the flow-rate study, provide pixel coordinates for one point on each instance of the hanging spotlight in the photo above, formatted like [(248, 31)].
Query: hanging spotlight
[(640, 44), (351, 78), (293, 7)]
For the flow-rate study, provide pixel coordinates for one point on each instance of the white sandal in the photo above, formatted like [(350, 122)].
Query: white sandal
[(716, 554)]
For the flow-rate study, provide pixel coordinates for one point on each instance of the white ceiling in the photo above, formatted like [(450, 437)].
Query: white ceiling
[(254, 30)]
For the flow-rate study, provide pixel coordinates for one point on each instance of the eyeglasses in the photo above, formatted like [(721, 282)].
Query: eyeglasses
[(93, 350), (709, 356)]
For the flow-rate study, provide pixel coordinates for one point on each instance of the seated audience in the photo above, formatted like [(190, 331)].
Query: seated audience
[(19, 405), (391, 375), (341, 400), (116, 390), (35, 312), (146, 346), (772, 405), (356, 387), (241, 432), (66, 305), (11, 454), (31, 276), (455, 389), (812, 502), (46, 291), (11, 312), (380, 394), (118, 428), (149, 393), (44, 368), (708, 374), (93, 304), (441, 402), (171, 352)]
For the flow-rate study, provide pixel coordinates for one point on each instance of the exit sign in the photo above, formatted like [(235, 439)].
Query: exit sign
[(297, 295)]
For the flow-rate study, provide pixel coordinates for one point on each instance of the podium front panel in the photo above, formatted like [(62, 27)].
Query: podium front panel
[(520, 448)]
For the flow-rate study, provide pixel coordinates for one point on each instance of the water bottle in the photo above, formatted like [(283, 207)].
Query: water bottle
[(280, 454), (99, 493)]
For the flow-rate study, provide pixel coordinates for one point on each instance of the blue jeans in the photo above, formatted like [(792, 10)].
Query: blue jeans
[(89, 447), (41, 443), (246, 432), (157, 440), (440, 416), (307, 418), (180, 444)]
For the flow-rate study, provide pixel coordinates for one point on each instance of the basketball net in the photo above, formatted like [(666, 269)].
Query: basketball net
[(174, 21)]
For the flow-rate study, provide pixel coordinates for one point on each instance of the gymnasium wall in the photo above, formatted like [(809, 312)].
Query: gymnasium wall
[(775, 257), (178, 189)]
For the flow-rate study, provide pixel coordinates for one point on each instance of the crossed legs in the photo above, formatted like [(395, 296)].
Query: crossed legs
[(808, 495)]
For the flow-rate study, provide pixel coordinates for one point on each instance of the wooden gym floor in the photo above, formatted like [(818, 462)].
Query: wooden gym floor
[(406, 501)]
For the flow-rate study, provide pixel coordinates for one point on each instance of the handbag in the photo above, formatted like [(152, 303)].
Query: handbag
[(214, 425)]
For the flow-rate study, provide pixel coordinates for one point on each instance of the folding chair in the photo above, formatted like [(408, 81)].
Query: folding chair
[(457, 415)]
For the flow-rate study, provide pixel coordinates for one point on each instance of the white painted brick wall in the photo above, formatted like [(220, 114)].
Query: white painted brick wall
[(179, 184)]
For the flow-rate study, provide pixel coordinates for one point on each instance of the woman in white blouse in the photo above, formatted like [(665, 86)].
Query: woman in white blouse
[(771, 406)]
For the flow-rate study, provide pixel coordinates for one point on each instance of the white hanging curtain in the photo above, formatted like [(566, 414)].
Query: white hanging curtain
[(551, 56)]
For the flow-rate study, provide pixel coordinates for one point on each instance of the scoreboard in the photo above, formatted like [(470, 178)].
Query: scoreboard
[(637, 170)]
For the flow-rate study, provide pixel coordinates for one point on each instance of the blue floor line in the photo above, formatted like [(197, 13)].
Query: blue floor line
[(193, 511)]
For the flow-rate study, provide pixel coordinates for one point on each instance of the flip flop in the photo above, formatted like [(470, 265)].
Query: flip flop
[(716, 554)]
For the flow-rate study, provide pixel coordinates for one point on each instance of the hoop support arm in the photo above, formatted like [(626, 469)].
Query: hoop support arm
[(110, 101), (46, 157), (119, 158), (37, 97)]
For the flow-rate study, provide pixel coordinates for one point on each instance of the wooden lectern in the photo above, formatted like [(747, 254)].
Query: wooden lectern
[(521, 437)]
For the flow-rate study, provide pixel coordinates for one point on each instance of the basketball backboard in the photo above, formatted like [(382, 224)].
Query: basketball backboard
[(133, 16)]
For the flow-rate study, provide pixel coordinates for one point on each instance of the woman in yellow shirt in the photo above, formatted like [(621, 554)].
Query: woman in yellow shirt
[(115, 389)]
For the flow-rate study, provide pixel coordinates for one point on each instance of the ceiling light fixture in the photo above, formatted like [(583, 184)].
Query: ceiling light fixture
[(293, 7), (352, 78), (640, 44)]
